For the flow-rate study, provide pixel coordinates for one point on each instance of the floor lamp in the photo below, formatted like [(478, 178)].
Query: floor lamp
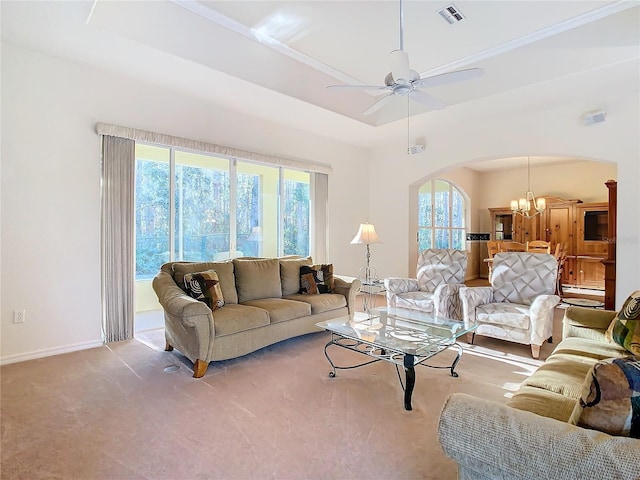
[(367, 235)]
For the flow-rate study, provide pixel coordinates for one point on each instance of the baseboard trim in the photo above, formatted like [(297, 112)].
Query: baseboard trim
[(49, 352)]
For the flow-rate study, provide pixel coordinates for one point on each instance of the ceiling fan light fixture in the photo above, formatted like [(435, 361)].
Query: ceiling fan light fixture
[(451, 14)]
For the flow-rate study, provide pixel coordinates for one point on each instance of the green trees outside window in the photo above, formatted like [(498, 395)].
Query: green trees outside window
[(221, 209)]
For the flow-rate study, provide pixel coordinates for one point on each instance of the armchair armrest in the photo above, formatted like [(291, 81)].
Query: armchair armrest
[(472, 297), (584, 322), (348, 288), (446, 299), (396, 285), (541, 316), (491, 440)]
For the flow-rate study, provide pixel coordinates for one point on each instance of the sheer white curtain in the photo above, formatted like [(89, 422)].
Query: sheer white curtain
[(118, 249)]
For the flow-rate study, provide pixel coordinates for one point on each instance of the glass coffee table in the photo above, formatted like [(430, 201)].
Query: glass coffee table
[(403, 337)]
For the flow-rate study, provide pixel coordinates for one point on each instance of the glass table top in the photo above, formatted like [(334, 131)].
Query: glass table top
[(404, 331)]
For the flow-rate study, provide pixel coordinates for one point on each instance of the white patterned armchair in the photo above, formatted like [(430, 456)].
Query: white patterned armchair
[(519, 304), (440, 274)]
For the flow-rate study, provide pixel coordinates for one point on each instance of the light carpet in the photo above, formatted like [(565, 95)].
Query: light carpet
[(115, 413)]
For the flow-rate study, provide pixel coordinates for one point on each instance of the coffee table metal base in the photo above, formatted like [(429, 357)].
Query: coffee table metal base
[(377, 354)]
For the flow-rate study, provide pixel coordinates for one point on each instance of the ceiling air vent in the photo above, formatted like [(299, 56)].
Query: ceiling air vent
[(451, 14)]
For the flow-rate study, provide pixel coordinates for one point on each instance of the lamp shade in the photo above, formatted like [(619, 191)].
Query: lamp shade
[(366, 234)]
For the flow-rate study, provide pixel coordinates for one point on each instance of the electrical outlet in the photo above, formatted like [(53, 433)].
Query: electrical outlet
[(18, 316)]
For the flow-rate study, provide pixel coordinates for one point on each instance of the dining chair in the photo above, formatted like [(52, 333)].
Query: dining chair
[(512, 247), (538, 246)]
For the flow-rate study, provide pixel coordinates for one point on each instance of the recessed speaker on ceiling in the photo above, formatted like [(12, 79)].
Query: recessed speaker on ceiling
[(591, 118), (416, 149)]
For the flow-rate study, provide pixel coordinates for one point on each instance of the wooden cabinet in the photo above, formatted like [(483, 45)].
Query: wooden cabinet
[(555, 224), (591, 229), (501, 224), (590, 272), (580, 226), (559, 224)]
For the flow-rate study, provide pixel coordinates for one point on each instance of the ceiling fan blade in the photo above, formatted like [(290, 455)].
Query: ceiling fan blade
[(450, 77), (360, 87), (379, 104), (429, 100), (400, 66)]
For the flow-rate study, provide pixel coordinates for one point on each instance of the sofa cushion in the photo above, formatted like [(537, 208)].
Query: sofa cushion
[(281, 310), (543, 402), (416, 301), (561, 374), (257, 279), (316, 279), (610, 400), (588, 350), (204, 286), (510, 314), (625, 326), (223, 269), (238, 318), (290, 274), (321, 303)]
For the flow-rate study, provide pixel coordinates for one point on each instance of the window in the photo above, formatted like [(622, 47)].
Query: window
[(441, 216), (296, 212), (221, 208)]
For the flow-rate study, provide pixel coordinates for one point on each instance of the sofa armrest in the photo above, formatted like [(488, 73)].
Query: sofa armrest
[(472, 297), (491, 440), (584, 322), (348, 288), (175, 301), (189, 324)]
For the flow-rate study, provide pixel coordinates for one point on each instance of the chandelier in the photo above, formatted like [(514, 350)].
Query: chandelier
[(528, 206)]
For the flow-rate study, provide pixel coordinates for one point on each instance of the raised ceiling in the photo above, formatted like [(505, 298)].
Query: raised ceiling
[(255, 55)]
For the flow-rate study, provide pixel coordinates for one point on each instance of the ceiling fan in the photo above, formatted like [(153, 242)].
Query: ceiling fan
[(402, 81)]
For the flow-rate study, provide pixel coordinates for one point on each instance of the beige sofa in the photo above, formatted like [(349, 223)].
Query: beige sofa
[(531, 436), (262, 306)]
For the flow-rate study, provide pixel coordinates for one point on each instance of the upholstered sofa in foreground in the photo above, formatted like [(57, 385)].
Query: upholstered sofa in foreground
[(535, 435), (261, 305)]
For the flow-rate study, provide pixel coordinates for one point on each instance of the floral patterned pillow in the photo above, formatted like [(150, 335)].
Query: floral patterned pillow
[(205, 286), (625, 326), (610, 399)]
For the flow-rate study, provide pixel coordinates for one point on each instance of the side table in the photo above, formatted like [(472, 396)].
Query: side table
[(583, 302), (368, 290)]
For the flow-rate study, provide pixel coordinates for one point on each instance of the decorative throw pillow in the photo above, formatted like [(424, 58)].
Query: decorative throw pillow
[(610, 400), (625, 326), (290, 273), (316, 279), (205, 286), (224, 269)]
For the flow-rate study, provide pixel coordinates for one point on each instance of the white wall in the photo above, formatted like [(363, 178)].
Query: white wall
[(50, 203), (458, 136)]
